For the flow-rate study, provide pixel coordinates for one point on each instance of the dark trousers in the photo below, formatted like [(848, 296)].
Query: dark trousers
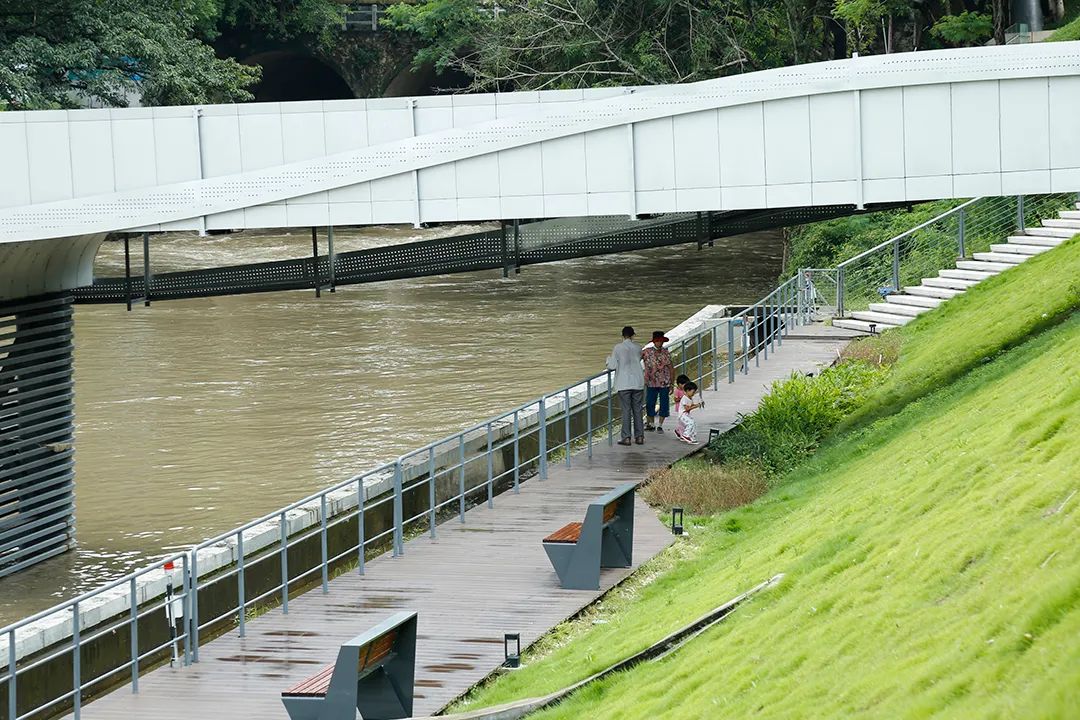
[(631, 401), (652, 395)]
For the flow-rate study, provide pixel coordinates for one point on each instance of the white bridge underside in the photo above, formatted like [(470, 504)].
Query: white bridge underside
[(903, 127)]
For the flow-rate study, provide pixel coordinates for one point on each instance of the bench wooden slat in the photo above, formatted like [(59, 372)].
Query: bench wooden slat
[(609, 511), (314, 686), (569, 533), (377, 650)]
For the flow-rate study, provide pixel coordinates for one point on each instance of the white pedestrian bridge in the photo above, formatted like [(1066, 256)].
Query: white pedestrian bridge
[(893, 128)]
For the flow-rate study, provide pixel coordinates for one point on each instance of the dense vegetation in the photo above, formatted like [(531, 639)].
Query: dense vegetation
[(63, 53), (930, 547)]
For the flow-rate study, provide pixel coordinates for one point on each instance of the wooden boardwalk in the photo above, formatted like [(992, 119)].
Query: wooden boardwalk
[(472, 584)]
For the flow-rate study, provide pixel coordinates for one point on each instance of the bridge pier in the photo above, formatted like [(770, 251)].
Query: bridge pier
[(37, 501)]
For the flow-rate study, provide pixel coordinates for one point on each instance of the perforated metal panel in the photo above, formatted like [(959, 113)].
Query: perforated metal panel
[(37, 503), (538, 242)]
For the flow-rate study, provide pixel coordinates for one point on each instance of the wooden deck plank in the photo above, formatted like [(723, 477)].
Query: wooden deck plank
[(474, 582)]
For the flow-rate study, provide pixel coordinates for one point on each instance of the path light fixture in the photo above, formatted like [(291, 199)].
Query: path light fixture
[(512, 659), (873, 328), (676, 521), (714, 434)]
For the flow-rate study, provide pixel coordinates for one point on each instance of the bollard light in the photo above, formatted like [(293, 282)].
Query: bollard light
[(676, 521), (873, 328), (714, 434), (512, 659)]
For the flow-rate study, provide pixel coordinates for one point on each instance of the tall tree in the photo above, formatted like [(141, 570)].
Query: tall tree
[(64, 53)]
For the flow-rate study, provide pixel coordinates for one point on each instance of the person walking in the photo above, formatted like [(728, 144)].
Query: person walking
[(625, 360), (659, 371)]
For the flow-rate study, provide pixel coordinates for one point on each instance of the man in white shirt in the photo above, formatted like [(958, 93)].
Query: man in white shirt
[(625, 360)]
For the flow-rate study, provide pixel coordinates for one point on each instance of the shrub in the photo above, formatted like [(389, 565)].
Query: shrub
[(703, 488), (796, 415)]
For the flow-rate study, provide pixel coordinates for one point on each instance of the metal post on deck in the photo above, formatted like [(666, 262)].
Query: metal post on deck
[(133, 591), (1020, 212), (461, 476), (361, 539), (588, 415), (322, 545), (315, 262), (186, 604), (397, 508), (76, 663), (517, 453), (193, 632), (840, 291), (239, 580), (610, 427), (715, 356), (746, 346), (800, 296), (284, 564), (566, 423), (517, 246), (505, 249), (700, 367), (490, 470), (13, 676), (431, 491), (543, 437), (730, 351)]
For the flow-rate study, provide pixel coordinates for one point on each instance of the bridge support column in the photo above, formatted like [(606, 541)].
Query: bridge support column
[(37, 502)]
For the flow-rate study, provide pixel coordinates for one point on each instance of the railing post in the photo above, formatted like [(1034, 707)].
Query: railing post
[(240, 591), (801, 291), (588, 416), (517, 453), (700, 367), (840, 292), (284, 524), (746, 346), (490, 470), (461, 476), (133, 591), (896, 265), (13, 700), (566, 423), (322, 545), (730, 351), (76, 663), (682, 357), (193, 632), (361, 533), (714, 355), (610, 402), (186, 605), (433, 500), (961, 250), (397, 509), (543, 437), (1020, 212)]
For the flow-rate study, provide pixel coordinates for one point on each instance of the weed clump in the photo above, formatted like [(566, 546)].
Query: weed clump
[(702, 488), (798, 414)]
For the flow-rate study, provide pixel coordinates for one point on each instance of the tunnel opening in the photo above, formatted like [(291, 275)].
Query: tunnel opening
[(288, 76)]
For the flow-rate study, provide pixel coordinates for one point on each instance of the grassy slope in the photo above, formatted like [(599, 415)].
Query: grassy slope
[(1068, 32), (1047, 289), (915, 557)]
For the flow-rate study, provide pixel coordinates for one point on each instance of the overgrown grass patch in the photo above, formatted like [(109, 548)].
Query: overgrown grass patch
[(704, 488)]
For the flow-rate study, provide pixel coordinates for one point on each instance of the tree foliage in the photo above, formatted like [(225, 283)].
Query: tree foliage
[(535, 44), (63, 53)]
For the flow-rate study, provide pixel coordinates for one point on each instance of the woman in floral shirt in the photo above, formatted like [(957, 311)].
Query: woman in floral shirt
[(659, 372)]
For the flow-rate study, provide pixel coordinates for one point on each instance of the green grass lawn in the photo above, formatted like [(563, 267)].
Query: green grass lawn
[(995, 315), (932, 558)]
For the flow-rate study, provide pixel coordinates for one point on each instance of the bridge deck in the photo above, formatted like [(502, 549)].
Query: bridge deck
[(475, 582)]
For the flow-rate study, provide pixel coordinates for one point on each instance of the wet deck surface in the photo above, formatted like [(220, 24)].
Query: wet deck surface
[(473, 583)]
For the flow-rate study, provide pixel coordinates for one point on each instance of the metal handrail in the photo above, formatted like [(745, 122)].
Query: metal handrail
[(908, 233)]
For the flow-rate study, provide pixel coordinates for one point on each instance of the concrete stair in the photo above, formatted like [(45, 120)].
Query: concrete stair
[(897, 309)]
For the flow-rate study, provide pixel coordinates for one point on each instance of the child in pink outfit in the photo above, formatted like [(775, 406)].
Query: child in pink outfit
[(686, 428)]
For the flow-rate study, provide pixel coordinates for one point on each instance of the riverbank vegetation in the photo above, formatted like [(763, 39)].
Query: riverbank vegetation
[(930, 549)]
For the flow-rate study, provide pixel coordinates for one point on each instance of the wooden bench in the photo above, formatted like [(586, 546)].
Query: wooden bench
[(373, 675), (578, 550)]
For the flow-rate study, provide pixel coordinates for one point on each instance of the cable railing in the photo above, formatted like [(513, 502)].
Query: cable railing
[(162, 613), (904, 260)]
